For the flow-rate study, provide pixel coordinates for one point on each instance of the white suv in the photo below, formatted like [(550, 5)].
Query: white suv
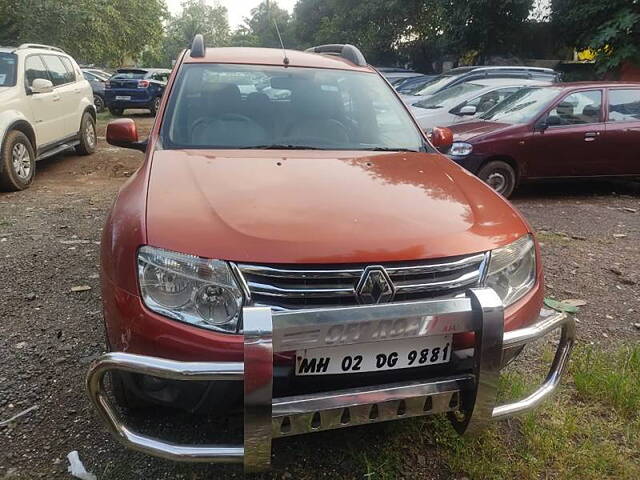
[(46, 106)]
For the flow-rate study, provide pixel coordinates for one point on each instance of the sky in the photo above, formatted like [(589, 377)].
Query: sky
[(238, 9)]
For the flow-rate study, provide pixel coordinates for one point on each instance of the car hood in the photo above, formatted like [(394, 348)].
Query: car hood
[(476, 128), (326, 207)]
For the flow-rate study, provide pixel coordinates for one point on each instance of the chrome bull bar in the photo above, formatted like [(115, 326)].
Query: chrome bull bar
[(470, 398)]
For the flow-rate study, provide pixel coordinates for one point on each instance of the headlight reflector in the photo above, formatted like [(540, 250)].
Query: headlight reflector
[(512, 269), (460, 149), (191, 289)]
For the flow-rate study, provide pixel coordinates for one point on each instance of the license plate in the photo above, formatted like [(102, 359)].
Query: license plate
[(123, 97), (374, 357)]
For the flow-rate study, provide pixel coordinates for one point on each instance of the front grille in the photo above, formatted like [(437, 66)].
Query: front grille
[(293, 287)]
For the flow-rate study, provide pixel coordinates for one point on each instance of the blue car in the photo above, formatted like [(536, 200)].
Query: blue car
[(135, 88)]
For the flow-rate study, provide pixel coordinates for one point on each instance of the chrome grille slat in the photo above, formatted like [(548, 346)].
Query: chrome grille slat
[(288, 287)]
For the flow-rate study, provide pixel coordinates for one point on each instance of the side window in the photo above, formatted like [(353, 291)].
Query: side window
[(624, 105), (71, 74), (487, 101), (577, 109), (57, 70), (34, 68)]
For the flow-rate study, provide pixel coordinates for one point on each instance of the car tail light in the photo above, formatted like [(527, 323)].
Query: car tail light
[(143, 83)]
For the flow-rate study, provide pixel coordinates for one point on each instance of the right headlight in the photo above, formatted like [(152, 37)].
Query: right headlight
[(191, 289), (460, 149), (512, 269)]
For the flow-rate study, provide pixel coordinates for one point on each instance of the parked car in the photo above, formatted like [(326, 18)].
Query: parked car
[(314, 259), (460, 75), (393, 74), (97, 83), (136, 88), (569, 130), (465, 100), (46, 107), (410, 84)]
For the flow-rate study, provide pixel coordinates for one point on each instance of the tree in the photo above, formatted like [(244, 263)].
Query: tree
[(259, 29), (93, 31), (195, 17), (611, 29)]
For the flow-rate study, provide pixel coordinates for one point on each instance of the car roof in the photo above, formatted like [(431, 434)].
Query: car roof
[(274, 56), (460, 70)]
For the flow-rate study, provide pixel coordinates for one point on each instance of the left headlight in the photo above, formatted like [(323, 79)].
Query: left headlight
[(512, 269), (460, 149), (191, 289)]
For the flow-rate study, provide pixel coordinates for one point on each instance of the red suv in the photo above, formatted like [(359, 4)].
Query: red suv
[(566, 130), (294, 244)]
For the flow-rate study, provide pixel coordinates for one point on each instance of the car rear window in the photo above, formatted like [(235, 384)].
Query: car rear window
[(624, 105), (246, 106), (7, 69), (131, 75)]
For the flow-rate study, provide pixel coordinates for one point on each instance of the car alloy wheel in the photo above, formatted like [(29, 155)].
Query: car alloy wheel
[(90, 134), (21, 161), (98, 102)]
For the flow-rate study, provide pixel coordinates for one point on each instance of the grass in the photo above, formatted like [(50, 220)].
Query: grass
[(588, 430)]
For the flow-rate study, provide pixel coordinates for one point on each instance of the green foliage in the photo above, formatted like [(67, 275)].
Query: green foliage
[(93, 31), (611, 29)]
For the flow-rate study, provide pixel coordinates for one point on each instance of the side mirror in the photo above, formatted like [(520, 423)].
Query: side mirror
[(123, 133), (553, 120), (468, 110), (441, 138), (41, 85)]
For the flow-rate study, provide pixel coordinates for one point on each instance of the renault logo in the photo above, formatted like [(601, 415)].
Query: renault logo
[(374, 286)]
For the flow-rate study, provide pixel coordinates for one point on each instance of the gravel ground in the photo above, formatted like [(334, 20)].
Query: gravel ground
[(49, 244)]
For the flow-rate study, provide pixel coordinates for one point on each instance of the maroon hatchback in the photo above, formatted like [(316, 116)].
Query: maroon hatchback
[(565, 130)]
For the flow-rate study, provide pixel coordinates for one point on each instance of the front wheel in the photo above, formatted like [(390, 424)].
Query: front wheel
[(18, 162), (500, 176), (88, 138)]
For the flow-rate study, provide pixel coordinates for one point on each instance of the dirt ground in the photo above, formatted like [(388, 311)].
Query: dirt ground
[(49, 236)]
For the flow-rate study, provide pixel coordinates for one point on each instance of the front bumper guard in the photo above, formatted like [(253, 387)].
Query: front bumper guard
[(470, 399)]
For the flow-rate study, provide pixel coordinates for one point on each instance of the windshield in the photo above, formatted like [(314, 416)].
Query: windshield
[(450, 95), (252, 106), (433, 86), (522, 106), (7, 69)]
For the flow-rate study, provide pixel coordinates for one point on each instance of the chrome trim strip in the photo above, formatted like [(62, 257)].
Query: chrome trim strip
[(241, 281), (273, 291), (266, 271), (436, 267), (461, 281)]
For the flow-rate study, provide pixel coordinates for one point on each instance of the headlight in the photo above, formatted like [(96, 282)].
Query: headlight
[(190, 289), (460, 148), (512, 269)]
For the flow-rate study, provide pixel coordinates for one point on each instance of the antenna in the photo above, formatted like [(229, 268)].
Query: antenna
[(284, 52)]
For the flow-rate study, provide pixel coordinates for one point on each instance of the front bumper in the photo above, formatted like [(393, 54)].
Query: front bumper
[(470, 398)]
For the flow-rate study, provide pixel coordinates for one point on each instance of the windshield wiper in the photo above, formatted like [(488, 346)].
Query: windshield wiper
[(388, 149), (276, 146)]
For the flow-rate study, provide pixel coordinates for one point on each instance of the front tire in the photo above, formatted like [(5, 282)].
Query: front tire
[(88, 137), (18, 162), (500, 176)]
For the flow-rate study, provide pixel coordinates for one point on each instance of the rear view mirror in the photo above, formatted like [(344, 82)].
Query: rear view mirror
[(468, 110), (441, 138), (124, 133), (41, 85)]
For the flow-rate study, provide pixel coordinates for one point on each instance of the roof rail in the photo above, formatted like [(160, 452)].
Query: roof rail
[(197, 46), (38, 45), (346, 51)]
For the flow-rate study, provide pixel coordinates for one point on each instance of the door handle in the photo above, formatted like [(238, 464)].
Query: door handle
[(591, 136)]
